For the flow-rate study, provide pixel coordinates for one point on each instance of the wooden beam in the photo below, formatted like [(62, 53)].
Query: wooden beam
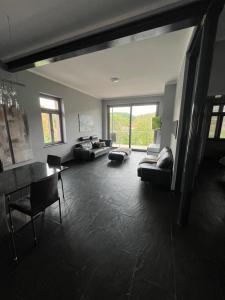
[(167, 21)]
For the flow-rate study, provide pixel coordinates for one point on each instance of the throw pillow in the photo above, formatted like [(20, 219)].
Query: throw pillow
[(165, 161), (102, 144), (96, 145)]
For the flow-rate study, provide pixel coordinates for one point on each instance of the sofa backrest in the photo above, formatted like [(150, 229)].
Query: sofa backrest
[(87, 145)]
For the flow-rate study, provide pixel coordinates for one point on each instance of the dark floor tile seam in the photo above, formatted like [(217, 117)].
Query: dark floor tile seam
[(173, 261)]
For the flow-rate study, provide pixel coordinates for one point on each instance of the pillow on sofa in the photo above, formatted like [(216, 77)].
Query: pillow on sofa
[(164, 149), (96, 145), (165, 160), (102, 144), (87, 145)]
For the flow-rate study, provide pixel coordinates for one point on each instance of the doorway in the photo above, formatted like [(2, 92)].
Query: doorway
[(134, 126)]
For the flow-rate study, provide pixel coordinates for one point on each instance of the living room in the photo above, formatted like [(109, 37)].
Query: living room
[(82, 94), (118, 236)]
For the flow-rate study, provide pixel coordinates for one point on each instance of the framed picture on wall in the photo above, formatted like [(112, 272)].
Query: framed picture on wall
[(86, 123)]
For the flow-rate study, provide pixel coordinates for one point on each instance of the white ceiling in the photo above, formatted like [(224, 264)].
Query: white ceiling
[(37, 24), (143, 67)]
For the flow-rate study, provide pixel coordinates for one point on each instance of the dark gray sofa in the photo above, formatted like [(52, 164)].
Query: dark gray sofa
[(158, 169), (85, 150)]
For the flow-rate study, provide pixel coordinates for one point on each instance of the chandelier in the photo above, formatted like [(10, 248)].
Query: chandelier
[(8, 94)]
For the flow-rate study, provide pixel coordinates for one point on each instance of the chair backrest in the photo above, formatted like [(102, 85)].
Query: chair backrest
[(3, 220), (54, 161), (1, 166), (44, 193)]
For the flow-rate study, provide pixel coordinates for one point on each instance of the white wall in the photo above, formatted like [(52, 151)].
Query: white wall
[(167, 113), (175, 141), (74, 102), (165, 101)]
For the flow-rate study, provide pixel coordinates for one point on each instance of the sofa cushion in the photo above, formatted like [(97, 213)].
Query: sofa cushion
[(165, 160), (164, 149), (87, 145), (100, 151)]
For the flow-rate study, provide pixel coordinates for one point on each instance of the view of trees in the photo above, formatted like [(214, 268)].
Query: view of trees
[(141, 127)]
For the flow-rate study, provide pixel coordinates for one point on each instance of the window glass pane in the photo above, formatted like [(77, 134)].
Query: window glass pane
[(49, 103), (120, 126), (212, 128), (144, 126), (216, 108), (224, 108), (56, 128), (46, 128), (222, 132)]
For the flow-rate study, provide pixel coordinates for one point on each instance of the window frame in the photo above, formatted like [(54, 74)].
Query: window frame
[(220, 116), (130, 105), (51, 112)]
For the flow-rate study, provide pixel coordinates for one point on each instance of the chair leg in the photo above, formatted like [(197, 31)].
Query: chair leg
[(12, 236), (60, 212), (62, 188), (34, 231)]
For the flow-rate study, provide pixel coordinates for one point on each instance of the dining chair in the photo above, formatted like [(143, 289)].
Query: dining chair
[(1, 166), (43, 193), (4, 228), (55, 161)]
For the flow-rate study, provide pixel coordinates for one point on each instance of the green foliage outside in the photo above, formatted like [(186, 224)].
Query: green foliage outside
[(142, 132), (156, 123)]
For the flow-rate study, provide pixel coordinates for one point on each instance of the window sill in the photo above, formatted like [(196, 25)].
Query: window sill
[(53, 145)]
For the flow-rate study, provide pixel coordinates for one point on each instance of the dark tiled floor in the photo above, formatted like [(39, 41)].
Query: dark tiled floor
[(119, 240)]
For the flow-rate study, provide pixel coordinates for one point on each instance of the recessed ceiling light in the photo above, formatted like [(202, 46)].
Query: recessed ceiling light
[(115, 79)]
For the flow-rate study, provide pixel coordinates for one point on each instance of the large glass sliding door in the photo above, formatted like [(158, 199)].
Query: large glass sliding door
[(142, 126), (133, 126), (120, 126)]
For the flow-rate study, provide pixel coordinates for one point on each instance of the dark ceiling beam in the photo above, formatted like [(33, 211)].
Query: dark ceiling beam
[(163, 22)]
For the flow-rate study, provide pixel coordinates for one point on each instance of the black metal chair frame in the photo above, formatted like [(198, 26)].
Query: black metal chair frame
[(32, 214), (55, 161)]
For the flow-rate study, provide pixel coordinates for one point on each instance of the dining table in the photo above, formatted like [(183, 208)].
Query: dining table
[(18, 179)]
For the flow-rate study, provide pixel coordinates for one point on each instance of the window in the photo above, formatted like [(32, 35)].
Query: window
[(51, 115), (217, 122)]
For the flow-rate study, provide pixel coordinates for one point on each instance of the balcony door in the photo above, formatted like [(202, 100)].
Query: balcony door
[(133, 125), (142, 126), (119, 125)]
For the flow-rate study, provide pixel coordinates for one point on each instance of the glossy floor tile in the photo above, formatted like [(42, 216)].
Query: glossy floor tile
[(119, 240)]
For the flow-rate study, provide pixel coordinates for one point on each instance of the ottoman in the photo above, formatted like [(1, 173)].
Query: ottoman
[(119, 154)]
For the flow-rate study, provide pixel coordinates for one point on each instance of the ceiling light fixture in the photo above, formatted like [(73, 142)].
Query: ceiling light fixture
[(115, 79)]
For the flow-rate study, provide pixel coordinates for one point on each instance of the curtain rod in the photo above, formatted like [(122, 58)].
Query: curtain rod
[(12, 82)]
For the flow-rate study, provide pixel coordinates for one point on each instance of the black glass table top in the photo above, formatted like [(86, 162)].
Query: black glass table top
[(17, 178)]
